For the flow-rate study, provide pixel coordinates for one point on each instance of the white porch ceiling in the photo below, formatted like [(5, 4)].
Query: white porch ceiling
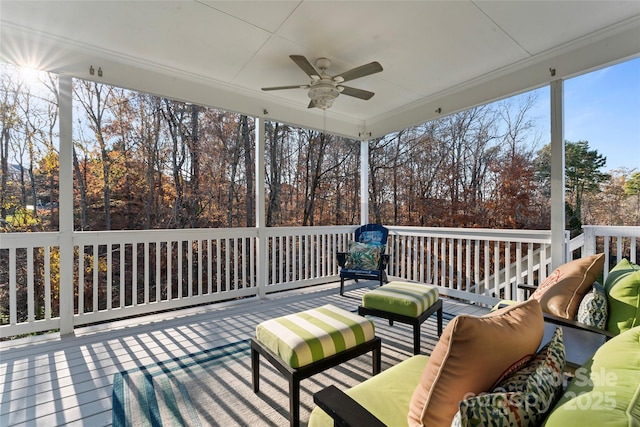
[(437, 55)]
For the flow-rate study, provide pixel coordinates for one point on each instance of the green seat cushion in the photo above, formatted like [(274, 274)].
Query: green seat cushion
[(503, 303), (408, 299), (386, 395), (623, 295), (306, 337), (606, 390)]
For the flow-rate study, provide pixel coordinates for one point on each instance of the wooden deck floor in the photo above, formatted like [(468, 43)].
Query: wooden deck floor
[(53, 381)]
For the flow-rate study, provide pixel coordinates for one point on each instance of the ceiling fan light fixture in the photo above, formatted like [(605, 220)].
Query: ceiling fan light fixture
[(323, 95)]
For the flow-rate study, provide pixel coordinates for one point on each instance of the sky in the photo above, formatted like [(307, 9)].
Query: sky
[(603, 108)]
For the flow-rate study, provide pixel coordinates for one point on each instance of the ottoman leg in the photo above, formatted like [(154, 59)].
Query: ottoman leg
[(440, 320), (416, 337), (294, 401), (255, 369), (376, 354)]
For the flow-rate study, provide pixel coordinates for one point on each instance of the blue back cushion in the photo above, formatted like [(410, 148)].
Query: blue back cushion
[(373, 234)]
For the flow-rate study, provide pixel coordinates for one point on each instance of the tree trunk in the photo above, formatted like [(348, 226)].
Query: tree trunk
[(275, 176), (194, 149), (235, 160), (4, 162), (83, 191), (248, 168)]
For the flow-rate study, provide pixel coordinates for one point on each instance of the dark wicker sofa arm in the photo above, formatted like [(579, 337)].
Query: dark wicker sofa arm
[(561, 321), (550, 318), (528, 289), (345, 411)]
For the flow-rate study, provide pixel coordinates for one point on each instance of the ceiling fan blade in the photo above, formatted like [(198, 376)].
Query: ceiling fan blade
[(286, 87), (357, 93), (356, 73), (306, 66)]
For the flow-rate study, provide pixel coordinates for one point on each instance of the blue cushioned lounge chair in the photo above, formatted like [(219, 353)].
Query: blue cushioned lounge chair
[(366, 258)]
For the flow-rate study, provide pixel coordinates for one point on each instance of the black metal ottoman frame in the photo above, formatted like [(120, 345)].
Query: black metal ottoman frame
[(295, 375), (414, 321)]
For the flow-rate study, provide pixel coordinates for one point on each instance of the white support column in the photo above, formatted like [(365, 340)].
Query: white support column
[(65, 178), (364, 182), (262, 265), (557, 175)]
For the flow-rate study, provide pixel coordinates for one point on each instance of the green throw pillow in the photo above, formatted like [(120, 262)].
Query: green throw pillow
[(524, 398), (623, 295), (363, 256)]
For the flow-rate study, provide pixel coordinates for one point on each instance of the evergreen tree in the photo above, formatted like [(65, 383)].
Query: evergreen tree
[(583, 175)]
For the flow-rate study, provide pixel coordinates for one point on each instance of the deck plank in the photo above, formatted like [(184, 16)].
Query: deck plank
[(68, 380)]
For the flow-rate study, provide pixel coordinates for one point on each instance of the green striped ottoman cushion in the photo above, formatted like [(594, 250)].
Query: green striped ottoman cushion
[(407, 299), (306, 337)]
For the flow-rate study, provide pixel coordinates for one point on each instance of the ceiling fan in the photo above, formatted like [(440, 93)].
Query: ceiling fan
[(324, 88)]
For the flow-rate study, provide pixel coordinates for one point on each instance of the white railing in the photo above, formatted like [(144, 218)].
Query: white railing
[(29, 263), (126, 273), (303, 256), (117, 274), (617, 242), (472, 264)]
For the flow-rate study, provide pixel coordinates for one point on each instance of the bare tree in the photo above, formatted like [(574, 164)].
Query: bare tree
[(9, 120), (249, 166), (95, 99), (275, 140), (174, 115), (235, 148)]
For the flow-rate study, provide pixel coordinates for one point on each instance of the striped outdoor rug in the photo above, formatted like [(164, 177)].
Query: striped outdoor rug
[(213, 387), (184, 391)]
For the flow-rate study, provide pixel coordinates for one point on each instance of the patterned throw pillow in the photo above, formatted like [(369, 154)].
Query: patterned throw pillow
[(363, 256), (594, 309), (522, 399)]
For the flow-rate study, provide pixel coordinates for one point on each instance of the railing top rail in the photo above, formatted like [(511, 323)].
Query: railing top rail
[(242, 230), (577, 242), (142, 236), (612, 230), (22, 240), (302, 230), (535, 236)]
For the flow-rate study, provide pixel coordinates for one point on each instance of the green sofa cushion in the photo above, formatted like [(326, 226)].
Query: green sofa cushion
[(386, 395), (606, 390), (306, 337), (623, 295), (408, 299)]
